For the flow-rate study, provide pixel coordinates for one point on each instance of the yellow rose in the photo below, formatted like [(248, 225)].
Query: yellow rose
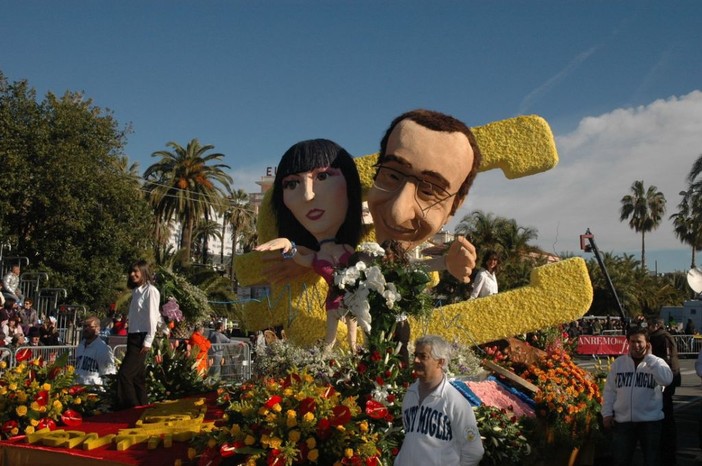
[(262, 411), (77, 401), (192, 453), (57, 405), (3, 391), (308, 417), (34, 422), (12, 386), (35, 406), (3, 365), (311, 443), (235, 430), (294, 436), (277, 408), (14, 431), (275, 443), (249, 440), (291, 422), (46, 386), (211, 443), (29, 430), (21, 397), (21, 410), (348, 453), (363, 425), (313, 455)]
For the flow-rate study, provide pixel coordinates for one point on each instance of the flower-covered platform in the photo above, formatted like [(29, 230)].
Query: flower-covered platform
[(172, 424)]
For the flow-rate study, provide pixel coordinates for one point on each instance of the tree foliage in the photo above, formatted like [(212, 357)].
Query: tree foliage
[(67, 200), (644, 208)]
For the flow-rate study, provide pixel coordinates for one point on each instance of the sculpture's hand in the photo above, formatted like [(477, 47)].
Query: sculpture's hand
[(460, 259), (275, 244)]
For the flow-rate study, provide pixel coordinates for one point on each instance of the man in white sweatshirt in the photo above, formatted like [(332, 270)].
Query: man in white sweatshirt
[(633, 401), (440, 426)]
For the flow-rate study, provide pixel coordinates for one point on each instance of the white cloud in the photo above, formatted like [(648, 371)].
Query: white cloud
[(599, 161)]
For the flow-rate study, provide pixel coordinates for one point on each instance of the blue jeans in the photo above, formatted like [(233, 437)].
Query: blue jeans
[(627, 434)]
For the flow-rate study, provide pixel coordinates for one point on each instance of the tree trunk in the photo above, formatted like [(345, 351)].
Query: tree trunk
[(692, 264), (643, 251)]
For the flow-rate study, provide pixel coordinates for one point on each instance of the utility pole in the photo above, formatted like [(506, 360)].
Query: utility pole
[(587, 244)]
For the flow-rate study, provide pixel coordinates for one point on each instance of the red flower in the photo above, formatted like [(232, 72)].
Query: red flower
[(308, 405), (372, 461), (324, 429), (42, 398), (274, 458), (376, 356), (210, 457), (353, 461), (273, 400), (376, 410), (8, 426), (342, 415), (229, 449), (46, 422), (329, 392), (76, 389), (24, 354), (71, 418), (391, 398), (361, 368), (379, 380), (288, 380)]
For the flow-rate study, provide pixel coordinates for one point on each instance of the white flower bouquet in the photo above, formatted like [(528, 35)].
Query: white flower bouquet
[(381, 285)]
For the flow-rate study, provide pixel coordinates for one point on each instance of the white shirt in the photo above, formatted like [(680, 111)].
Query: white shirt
[(93, 361), (485, 284), (143, 312), (439, 431)]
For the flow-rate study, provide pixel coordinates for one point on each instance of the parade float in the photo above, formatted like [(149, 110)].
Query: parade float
[(305, 405)]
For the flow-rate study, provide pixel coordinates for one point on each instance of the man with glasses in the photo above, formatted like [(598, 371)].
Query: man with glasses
[(94, 358), (427, 162)]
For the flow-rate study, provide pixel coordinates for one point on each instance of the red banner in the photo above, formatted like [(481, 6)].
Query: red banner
[(602, 344)]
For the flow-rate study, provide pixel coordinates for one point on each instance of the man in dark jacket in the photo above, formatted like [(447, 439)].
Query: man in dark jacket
[(663, 346)]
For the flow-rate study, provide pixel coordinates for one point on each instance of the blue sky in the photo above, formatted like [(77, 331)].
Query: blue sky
[(619, 82)]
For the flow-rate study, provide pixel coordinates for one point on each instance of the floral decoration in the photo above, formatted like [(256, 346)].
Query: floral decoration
[(568, 399), (504, 436), (34, 395), (381, 285), (293, 420)]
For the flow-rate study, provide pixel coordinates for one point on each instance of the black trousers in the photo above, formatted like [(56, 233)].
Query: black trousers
[(131, 378)]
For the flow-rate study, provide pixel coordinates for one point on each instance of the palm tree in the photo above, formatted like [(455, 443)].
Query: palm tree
[(644, 208), (183, 186), (687, 222), (205, 230), (241, 216)]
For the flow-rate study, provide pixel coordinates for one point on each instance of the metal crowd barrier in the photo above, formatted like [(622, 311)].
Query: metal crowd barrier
[(688, 345), (47, 353), (233, 360)]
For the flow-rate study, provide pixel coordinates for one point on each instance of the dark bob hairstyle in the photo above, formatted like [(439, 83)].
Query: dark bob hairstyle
[(306, 156)]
